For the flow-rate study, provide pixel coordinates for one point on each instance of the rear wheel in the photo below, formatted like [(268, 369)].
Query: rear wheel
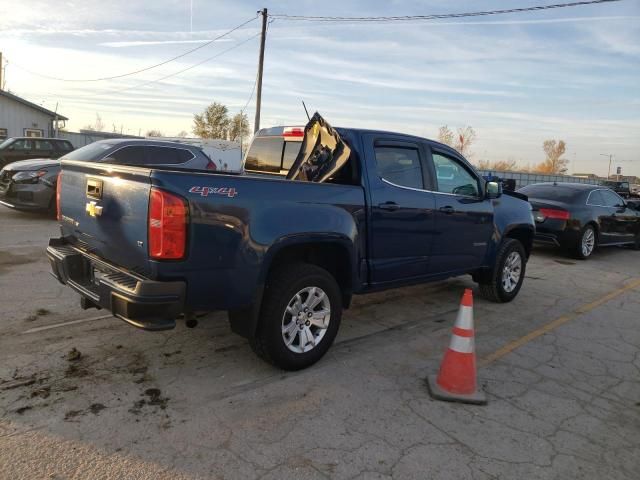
[(503, 283), (586, 243), (300, 316)]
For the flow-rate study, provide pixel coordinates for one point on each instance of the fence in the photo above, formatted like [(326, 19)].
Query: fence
[(523, 179)]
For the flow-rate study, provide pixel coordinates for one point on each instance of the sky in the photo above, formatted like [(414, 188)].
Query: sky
[(517, 79)]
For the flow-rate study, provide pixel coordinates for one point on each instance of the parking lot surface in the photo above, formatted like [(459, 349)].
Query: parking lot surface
[(83, 395)]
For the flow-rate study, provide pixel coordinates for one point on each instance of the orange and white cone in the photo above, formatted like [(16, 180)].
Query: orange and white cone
[(456, 381)]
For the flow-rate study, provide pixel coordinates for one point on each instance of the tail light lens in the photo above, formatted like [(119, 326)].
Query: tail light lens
[(555, 213), (211, 166), (168, 219), (58, 190)]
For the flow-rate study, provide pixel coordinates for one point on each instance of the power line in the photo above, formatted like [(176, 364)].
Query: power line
[(310, 18), (142, 69), (144, 84)]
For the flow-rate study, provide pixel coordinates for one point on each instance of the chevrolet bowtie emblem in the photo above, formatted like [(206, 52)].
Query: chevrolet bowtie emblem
[(93, 209)]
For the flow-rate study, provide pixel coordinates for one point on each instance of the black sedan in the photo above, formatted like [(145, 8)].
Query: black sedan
[(31, 184), (581, 217)]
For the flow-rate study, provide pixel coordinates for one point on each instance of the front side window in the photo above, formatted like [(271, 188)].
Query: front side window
[(453, 177), (400, 166), (611, 199), (22, 144)]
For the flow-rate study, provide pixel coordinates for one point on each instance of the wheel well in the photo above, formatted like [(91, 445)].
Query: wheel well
[(524, 236), (332, 257)]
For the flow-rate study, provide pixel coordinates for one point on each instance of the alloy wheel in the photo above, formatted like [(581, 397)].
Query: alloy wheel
[(511, 272), (306, 319)]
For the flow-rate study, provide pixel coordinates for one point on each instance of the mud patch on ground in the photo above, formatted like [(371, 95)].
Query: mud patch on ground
[(153, 398)]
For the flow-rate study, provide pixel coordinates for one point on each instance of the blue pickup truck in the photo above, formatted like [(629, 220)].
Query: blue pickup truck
[(318, 215)]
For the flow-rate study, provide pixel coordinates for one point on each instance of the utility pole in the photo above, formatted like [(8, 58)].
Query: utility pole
[(263, 37), (1, 69), (610, 157)]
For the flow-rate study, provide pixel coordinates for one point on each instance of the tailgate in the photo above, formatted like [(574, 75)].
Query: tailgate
[(104, 211)]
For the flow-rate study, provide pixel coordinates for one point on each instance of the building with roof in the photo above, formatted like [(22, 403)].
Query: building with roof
[(22, 118)]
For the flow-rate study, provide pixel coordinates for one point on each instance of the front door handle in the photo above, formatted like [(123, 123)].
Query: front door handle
[(447, 210), (391, 206)]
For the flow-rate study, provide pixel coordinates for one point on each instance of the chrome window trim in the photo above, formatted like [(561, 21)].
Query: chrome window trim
[(430, 191)]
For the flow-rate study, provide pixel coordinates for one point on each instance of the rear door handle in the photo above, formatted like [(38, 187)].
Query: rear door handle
[(391, 206), (448, 210)]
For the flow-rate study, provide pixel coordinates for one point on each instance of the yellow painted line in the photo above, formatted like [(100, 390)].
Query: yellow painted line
[(511, 346)]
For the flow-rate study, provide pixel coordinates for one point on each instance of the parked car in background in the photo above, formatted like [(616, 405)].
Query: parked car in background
[(357, 211), (25, 148), (621, 188), (31, 184), (144, 153), (580, 217)]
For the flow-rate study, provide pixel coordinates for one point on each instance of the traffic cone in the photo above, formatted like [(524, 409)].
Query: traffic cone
[(456, 381)]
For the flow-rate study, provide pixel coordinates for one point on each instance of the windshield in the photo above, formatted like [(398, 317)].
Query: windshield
[(6, 142), (88, 153), (550, 192)]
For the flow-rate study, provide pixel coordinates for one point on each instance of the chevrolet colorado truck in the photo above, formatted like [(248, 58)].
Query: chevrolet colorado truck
[(319, 214)]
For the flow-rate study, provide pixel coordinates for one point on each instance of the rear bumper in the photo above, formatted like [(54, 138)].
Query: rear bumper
[(143, 303)]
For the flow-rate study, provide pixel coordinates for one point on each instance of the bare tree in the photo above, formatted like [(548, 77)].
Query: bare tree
[(238, 127), (554, 163), (445, 135), (182, 134), (98, 126), (154, 133), (213, 122), (461, 141)]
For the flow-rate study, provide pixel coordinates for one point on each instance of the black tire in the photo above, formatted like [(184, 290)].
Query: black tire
[(577, 250), (491, 285), (281, 288)]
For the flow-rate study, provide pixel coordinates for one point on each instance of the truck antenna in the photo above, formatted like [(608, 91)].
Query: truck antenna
[(305, 110)]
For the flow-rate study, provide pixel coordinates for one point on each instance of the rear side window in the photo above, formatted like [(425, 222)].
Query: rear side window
[(265, 154), (400, 166), (167, 156), (595, 198), (128, 156)]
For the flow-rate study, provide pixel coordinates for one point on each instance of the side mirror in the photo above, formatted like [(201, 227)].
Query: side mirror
[(492, 190)]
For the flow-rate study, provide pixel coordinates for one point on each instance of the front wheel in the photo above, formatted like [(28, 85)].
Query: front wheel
[(503, 283), (300, 316)]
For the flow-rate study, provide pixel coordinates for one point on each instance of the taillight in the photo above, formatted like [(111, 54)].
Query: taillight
[(555, 213), (211, 166), (168, 218), (58, 190)]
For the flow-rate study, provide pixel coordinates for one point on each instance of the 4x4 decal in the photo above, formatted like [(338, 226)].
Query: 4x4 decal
[(206, 191)]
